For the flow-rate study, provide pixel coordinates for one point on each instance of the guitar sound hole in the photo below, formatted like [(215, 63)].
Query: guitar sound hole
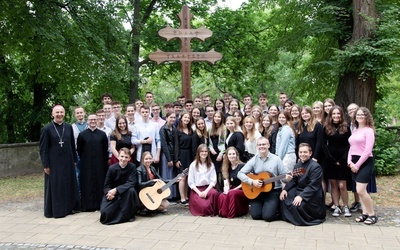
[(159, 191)]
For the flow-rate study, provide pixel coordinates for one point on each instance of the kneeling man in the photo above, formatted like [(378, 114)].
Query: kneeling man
[(120, 201), (303, 197)]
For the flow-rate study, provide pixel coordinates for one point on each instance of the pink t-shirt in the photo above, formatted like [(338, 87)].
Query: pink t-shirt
[(361, 143)]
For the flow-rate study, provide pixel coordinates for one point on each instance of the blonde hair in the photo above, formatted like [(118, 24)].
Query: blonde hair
[(252, 132)]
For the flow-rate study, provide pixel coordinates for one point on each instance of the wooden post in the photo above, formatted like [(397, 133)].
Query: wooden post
[(185, 33)]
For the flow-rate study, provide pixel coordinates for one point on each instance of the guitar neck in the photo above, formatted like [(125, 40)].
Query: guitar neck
[(273, 179), (170, 183)]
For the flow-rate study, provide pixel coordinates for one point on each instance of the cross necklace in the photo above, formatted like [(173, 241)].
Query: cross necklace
[(62, 134)]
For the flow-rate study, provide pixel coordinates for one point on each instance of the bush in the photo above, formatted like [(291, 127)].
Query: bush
[(386, 150)]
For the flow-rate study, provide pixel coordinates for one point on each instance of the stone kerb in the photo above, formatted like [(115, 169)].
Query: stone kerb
[(19, 159)]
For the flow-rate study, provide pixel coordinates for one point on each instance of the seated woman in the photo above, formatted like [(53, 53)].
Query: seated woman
[(148, 176), (201, 180), (232, 202), (120, 202), (303, 197)]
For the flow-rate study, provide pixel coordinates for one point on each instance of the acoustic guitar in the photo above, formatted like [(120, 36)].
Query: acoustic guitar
[(268, 179), (151, 197)]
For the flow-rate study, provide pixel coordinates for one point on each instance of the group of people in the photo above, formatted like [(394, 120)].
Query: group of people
[(103, 162)]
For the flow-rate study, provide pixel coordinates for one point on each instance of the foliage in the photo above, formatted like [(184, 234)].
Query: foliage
[(73, 51), (387, 148)]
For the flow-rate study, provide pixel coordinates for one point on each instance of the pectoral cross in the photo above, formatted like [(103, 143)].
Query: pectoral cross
[(61, 143)]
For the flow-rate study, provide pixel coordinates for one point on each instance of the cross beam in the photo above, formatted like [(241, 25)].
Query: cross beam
[(185, 56)]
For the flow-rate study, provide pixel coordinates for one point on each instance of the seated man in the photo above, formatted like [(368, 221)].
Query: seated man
[(120, 202), (303, 198), (265, 206)]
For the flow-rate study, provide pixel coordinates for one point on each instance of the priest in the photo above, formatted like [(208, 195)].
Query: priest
[(92, 147), (58, 156), (303, 202)]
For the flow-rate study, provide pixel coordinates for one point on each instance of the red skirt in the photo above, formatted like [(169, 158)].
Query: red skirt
[(204, 206), (233, 204)]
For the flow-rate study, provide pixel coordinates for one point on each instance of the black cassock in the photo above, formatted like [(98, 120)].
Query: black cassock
[(92, 147), (124, 206), (61, 195), (309, 186)]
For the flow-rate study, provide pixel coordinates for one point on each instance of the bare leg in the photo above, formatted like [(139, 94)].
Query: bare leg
[(183, 188), (334, 191), (365, 198), (343, 192)]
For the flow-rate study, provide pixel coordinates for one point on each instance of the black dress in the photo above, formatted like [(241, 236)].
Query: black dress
[(308, 186), (167, 139), (196, 141), (336, 148), (183, 149), (314, 138), (125, 142), (124, 206), (237, 141), (92, 147), (61, 194)]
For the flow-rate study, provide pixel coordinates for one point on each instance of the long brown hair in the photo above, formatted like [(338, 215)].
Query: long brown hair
[(369, 120), (197, 161), (310, 124), (266, 132), (189, 125), (117, 132), (200, 133), (288, 121), (220, 128), (330, 126), (226, 164)]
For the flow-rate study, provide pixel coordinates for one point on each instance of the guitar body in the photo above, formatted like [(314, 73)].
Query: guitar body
[(151, 197), (252, 192)]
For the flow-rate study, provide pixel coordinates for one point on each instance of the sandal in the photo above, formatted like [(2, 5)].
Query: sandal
[(362, 218), (371, 220)]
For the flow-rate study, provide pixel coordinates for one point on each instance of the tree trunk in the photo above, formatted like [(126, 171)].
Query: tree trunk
[(354, 88), (134, 58), (38, 105)]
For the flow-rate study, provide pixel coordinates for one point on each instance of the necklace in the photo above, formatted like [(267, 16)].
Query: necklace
[(62, 134)]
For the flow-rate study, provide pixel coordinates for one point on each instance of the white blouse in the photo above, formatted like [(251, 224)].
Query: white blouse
[(203, 177)]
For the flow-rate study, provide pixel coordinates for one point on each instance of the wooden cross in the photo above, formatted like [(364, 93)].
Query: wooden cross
[(185, 33)]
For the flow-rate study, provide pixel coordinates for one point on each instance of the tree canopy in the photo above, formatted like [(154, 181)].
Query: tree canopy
[(70, 52)]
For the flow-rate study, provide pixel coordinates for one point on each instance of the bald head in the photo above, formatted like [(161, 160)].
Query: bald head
[(58, 113)]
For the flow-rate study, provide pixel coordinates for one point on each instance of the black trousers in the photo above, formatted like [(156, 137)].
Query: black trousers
[(266, 206)]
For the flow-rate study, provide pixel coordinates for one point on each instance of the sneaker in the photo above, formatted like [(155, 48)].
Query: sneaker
[(346, 211), (336, 212), (355, 207), (333, 207)]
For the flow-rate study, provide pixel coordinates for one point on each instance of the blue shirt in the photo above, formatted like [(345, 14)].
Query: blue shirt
[(256, 165)]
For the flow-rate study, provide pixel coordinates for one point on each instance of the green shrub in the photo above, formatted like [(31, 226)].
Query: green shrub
[(386, 150)]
